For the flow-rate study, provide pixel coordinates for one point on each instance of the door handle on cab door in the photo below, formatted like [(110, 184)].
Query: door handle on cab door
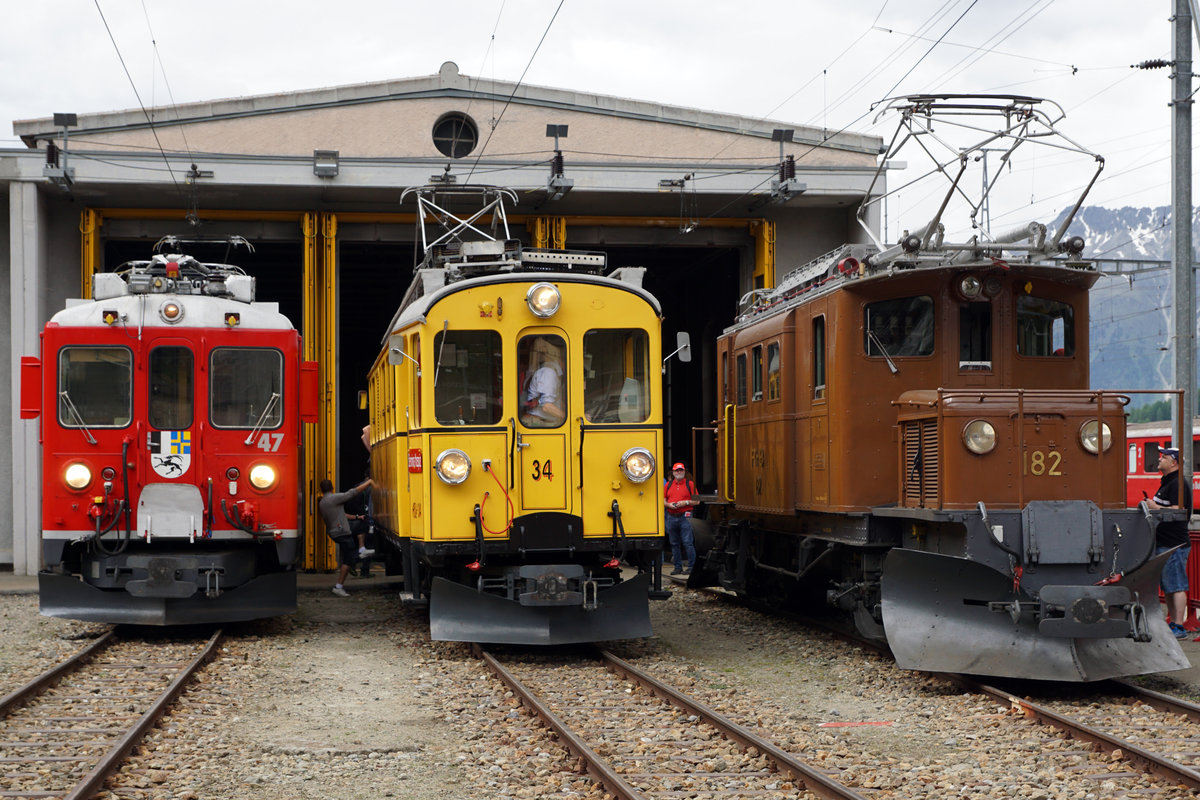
[(521, 443)]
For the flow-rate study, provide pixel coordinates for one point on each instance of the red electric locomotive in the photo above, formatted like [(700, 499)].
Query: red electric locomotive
[(171, 453)]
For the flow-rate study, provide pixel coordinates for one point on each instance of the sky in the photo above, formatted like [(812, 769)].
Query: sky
[(808, 62)]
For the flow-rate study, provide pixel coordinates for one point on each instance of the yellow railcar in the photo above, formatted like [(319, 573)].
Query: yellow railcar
[(516, 437)]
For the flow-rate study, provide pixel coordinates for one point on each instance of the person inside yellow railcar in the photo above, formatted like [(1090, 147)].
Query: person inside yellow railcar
[(543, 398)]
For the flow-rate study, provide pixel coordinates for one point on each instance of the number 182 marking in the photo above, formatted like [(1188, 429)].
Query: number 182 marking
[(1040, 463)]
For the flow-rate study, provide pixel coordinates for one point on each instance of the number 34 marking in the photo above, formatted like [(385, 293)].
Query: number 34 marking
[(1040, 463), (543, 470)]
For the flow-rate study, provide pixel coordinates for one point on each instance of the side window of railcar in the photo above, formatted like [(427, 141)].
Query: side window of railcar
[(773, 371), (466, 378), (756, 369), (95, 387), (1045, 327), (899, 327), (1150, 457), (172, 372), (818, 342), (741, 379), (616, 370), (245, 387)]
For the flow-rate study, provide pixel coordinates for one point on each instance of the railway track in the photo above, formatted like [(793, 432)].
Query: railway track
[(66, 730), (1151, 732), (641, 738)]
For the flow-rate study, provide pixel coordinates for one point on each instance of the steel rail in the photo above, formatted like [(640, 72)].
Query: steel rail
[(812, 779), (1143, 759), (42, 682), (94, 780), (1158, 700), (1139, 757), (595, 766)]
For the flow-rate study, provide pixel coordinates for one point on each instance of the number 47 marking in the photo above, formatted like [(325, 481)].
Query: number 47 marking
[(270, 442)]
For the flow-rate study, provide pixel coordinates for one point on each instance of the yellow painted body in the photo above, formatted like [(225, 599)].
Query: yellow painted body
[(571, 469)]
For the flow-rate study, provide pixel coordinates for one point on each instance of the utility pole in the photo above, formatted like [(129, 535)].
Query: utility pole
[(1181, 216)]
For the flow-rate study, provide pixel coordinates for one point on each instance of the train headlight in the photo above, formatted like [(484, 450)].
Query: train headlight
[(263, 476), (543, 299), (453, 466), (77, 475), (171, 312), (979, 436), (970, 287), (637, 464), (1088, 437)]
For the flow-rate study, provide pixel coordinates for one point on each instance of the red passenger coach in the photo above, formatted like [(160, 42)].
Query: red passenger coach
[(172, 486)]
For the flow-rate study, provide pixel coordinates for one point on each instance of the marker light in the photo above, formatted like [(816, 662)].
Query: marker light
[(171, 312), (453, 466), (543, 299), (637, 464), (1087, 435), (979, 436), (262, 476), (77, 475)]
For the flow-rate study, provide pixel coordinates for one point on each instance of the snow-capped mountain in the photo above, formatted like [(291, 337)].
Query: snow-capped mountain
[(1131, 329)]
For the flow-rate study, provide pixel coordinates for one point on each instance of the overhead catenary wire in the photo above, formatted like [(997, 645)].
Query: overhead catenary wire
[(516, 87), (133, 86)]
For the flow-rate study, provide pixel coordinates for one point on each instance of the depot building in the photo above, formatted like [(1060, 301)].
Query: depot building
[(713, 205)]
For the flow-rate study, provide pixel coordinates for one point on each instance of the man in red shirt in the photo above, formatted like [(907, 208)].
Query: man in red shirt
[(680, 495)]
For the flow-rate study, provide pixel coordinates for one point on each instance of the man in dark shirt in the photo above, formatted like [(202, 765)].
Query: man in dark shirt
[(1173, 534), (337, 525)]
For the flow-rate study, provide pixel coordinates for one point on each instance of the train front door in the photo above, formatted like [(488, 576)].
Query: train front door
[(543, 429)]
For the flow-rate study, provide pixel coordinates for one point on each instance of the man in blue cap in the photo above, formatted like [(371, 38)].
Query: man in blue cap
[(1172, 494)]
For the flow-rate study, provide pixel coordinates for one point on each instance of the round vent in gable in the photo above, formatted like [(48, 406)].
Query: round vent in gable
[(455, 135)]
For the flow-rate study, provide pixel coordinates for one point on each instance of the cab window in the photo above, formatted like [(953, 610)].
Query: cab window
[(95, 387), (899, 327), (773, 368), (245, 387), (741, 379), (756, 372), (616, 370), (171, 388), (466, 378), (1045, 327), (542, 366)]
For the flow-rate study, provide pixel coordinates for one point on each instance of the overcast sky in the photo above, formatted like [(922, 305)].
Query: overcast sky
[(816, 62)]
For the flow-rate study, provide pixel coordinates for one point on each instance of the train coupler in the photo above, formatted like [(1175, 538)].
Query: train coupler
[(212, 583)]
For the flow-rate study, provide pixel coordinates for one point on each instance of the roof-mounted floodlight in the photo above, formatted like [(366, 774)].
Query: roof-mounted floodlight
[(326, 163), (558, 185), (58, 173)]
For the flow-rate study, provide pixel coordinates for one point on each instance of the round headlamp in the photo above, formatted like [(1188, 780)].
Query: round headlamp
[(171, 312), (979, 436), (970, 287), (637, 464), (453, 466), (77, 475), (543, 299), (1088, 435), (262, 476)]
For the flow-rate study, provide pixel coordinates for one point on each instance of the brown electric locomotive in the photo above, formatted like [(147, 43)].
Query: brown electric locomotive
[(908, 434)]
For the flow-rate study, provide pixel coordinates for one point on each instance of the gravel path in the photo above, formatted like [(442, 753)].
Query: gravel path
[(349, 699)]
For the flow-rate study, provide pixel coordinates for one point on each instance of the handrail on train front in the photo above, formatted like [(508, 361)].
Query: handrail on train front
[(728, 441)]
